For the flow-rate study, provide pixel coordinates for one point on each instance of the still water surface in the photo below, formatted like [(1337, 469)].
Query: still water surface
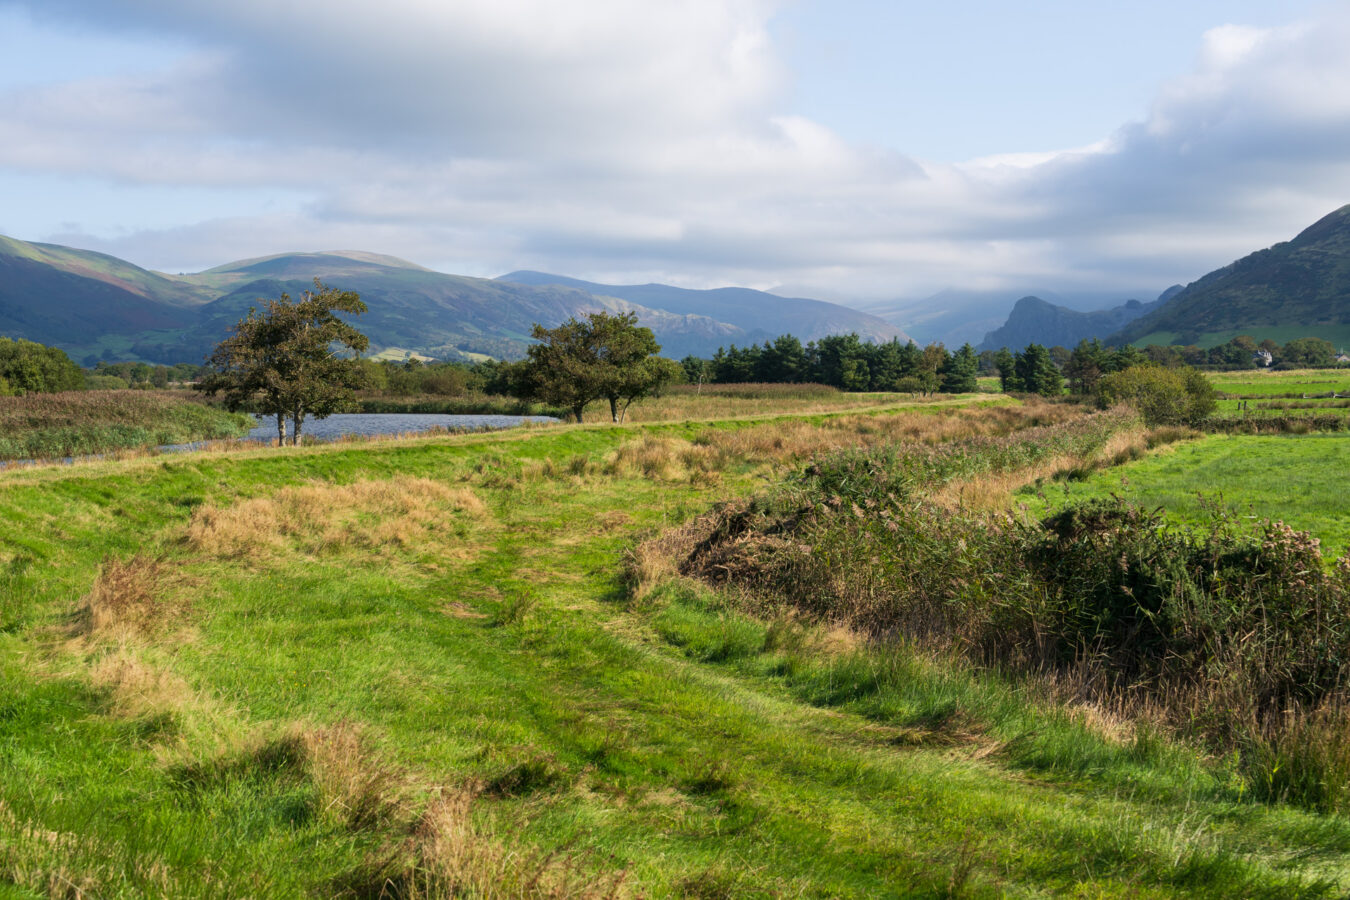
[(341, 424)]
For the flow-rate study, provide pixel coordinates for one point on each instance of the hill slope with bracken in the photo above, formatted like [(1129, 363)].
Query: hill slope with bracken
[(96, 306), (1302, 285)]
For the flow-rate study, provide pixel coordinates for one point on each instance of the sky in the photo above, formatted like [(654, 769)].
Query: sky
[(856, 150)]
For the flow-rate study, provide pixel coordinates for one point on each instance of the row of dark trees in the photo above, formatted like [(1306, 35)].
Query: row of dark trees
[(843, 361)]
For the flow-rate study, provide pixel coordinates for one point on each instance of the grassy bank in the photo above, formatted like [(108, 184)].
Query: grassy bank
[(79, 423), (438, 668)]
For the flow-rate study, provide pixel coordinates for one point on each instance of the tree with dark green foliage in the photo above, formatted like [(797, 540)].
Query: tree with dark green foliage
[(31, 368), (1088, 362), (280, 361), (1037, 372), (783, 361), (1306, 353), (696, 371), (1237, 353), (1006, 364), (958, 375), (603, 357)]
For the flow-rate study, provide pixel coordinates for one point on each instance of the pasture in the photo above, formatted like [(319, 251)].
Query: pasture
[(444, 667)]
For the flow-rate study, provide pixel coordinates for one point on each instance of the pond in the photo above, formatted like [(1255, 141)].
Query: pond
[(368, 424)]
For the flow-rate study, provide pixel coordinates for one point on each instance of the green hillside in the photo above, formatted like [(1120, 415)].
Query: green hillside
[(96, 307), (1300, 288)]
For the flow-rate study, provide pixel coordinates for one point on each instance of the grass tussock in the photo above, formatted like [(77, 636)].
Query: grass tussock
[(129, 597), (425, 841), (42, 860), (329, 518)]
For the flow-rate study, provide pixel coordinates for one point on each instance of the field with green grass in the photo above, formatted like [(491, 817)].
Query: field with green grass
[(1258, 385), (474, 666), (1298, 479)]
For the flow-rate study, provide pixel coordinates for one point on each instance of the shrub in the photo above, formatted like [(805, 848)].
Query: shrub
[(1180, 396)]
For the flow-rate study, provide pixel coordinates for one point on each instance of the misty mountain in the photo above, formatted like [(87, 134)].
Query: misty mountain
[(1033, 320), (96, 306), (757, 316), (956, 316), (1302, 285)]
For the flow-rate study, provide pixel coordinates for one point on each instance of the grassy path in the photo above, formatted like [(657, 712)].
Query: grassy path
[(470, 626)]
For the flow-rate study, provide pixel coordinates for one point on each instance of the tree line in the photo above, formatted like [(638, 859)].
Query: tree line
[(842, 361)]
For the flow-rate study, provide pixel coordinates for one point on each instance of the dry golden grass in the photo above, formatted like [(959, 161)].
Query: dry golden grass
[(42, 860), (702, 460), (128, 598), (357, 789), (737, 401), (431, 849), (137, 689), (319, 518), (786, 442)]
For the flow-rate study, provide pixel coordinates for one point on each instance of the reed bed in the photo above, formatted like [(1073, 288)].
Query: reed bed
[(82, 423)]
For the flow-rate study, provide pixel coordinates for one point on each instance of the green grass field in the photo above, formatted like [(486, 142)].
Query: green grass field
[(419, 668), (1258, 384), (1297, 479)]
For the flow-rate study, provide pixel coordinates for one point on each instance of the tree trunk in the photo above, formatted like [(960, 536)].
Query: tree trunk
[(281, 429), (299, 420), (614, 409), (576, 411)]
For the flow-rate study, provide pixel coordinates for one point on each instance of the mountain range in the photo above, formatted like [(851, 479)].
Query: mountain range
[(97, 306), (1298, 288)]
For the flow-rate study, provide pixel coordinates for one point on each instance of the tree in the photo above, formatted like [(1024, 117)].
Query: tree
[(603, 357), (959, 374), (1086, 365), (1037, 372), (646, 379), (280, 361), (1006, 364), (1308, 352), (931, 363), (30, 368)]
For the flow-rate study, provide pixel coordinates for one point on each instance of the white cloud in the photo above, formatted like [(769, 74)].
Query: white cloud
[(650, 140)]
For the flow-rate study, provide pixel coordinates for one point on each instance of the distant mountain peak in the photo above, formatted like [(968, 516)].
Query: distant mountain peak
[(1034, 320), (759, 315), (324, 257)]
